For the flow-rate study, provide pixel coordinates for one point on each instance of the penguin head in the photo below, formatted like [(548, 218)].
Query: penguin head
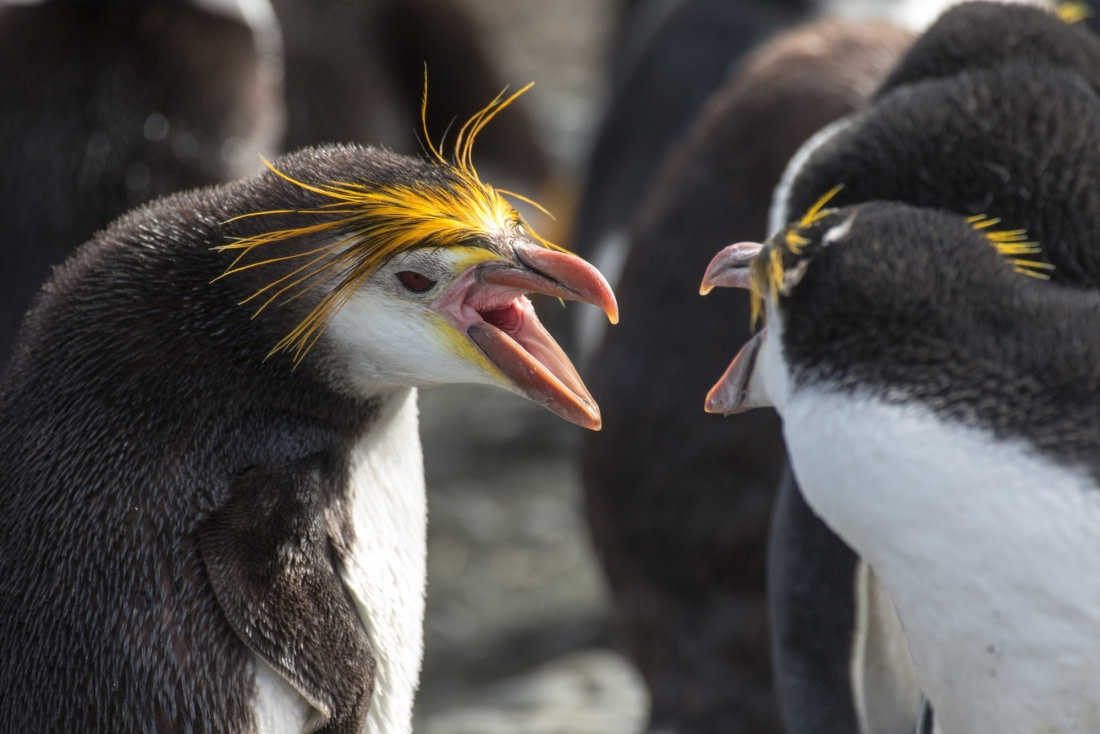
[(395, 271), (973, 36), (859, 285)]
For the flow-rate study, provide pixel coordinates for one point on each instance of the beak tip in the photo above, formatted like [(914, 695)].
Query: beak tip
[(606, 300), (588, 417), (712, 404), (705, 288), (592, 419)]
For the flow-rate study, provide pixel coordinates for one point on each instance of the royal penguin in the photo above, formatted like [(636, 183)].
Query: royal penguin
[(938, 405), (109, 104), (993, 112), (682, 535), (212, 511)]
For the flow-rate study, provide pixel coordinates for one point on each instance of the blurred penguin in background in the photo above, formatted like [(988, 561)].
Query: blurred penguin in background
[(106, 105), (670, 57), (355, 72), (682, 532)]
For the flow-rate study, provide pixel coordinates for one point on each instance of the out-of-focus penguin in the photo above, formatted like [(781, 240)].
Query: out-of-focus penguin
[(679, 501), (109, 104)]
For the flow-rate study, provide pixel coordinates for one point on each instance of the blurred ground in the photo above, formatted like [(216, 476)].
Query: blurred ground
[(563, 46), (516, 634)]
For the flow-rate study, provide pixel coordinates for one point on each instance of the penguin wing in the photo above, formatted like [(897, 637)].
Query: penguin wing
[(268, 557)]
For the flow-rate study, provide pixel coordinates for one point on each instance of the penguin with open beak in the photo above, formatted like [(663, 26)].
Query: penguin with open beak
[(212, 511), (939, 410), (993, 115)]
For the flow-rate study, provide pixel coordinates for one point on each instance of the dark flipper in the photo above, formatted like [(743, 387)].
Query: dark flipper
[(811, 579), (927, 723), (269, 561)]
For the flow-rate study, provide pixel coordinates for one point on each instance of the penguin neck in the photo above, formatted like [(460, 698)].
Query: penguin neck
[(384, 568), (985, 546)]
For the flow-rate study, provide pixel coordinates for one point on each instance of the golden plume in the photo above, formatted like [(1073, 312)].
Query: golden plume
[(372, 223), (1073, 12), (766, 275), (1012, 244)]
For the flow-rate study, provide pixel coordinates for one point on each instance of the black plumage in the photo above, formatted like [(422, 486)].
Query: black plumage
[(106, 595), (917, 305), (993, 112)]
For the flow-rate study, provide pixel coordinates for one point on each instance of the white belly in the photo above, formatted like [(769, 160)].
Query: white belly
[(990, 552), (385, 574), (277, 707)]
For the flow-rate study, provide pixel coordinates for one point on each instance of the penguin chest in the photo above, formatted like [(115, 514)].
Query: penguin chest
[(386, 571), (990, 552)]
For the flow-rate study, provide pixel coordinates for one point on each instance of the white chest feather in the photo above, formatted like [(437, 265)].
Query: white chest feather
[(990, 552), (387, 571), (385, 575)]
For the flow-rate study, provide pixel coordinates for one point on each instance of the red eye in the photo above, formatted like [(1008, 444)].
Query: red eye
[(415, 282)]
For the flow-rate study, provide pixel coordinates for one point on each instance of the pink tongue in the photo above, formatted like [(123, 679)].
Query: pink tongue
[(508, 319)]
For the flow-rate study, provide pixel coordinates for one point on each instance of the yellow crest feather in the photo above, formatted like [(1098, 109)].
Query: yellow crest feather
[(1073, 12), (818, 210), (375, 223), (1012, 244), (766, 276)]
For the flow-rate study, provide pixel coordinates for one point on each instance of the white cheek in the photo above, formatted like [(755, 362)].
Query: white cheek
[(384, 339), (771, 375)]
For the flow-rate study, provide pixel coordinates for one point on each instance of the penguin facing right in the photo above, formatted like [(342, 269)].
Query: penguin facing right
[(212, 502), (939, 408)]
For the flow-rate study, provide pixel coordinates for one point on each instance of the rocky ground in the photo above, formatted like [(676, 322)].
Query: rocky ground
[(516, 633), (517, 637)]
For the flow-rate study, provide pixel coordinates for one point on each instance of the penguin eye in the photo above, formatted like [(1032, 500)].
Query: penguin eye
[(415, 282)]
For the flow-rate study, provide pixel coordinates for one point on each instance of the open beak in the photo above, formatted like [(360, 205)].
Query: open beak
[(735, 391), (496, 315)]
